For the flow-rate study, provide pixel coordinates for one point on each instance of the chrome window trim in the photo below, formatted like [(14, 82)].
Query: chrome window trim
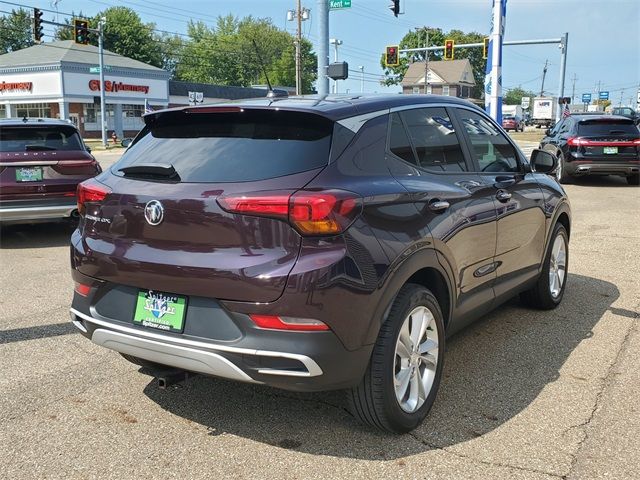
[(355, 123)]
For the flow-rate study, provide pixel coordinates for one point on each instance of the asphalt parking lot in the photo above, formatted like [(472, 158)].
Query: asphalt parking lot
[(526, 394)]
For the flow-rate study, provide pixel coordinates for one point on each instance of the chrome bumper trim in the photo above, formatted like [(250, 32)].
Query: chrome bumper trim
[(8, 214), (313, 369)]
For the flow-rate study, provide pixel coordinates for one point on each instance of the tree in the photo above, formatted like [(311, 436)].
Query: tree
[(16, 31), (417, 38), (514, 96)]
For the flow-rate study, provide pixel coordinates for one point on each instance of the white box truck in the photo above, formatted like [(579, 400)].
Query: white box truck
[(544, 111), (514, 110)]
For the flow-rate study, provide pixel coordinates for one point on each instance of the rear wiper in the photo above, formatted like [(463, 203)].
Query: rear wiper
[(151, 170), (38, 147), (617, 131)]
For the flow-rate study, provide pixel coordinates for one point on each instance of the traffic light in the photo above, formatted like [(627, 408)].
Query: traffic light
[(81, 31), (448, 49), (395, 7), (391, 58), (37, 25), (485, 48)]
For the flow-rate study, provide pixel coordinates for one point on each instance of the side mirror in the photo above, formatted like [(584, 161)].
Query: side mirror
[(547, 132), (88, 148), (543, 161)]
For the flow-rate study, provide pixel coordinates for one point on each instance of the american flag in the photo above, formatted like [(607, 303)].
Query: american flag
[(565, 111), (147, 107)]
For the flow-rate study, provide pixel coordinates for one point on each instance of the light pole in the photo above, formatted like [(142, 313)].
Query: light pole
[(336, 43), (300, 15), (103, 103), (361, 67), (322, 13)]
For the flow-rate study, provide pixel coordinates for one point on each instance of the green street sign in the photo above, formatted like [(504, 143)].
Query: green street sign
[(97, 69), (335, 4)]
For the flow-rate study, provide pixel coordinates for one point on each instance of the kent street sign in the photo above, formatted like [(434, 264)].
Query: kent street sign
[(335, 4)]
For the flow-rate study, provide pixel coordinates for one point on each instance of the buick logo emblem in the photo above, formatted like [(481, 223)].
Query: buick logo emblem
[(154, 212)]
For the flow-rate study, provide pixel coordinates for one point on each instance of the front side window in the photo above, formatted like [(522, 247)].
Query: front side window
[(491, 149), (436, 146)]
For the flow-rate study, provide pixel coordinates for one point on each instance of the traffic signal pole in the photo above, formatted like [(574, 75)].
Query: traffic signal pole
[(323, 47), (563, 69), (103, 103)]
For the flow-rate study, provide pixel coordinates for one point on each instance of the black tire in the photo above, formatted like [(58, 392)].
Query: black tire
[(561, 171), (373, 401), (633, 179), (540, 296), (141, 362)]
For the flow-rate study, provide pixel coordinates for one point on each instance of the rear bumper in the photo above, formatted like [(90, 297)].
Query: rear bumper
[(28, 211), (580, 168)]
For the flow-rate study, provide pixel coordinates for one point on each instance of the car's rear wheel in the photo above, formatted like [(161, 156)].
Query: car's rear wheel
[(633, 179), (401, 382), (561, 171), (549, 289)]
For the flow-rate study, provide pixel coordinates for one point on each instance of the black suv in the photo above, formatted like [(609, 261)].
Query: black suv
[(315, 244), (595, 145)]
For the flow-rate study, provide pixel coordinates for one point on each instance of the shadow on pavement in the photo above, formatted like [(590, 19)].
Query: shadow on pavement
[(37, 332), (493, 370), (36, 235), (601, 181)]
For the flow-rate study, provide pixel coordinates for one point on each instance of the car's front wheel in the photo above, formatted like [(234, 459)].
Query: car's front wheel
[(561, 171), (548, 291), (633, 179), (401, 382)]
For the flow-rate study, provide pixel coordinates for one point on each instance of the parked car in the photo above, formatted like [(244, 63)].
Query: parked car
[(315, 244), (627, 112), (42, 161), (513, 122), (592, 144)]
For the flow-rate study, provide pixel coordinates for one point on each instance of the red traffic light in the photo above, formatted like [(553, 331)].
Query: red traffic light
[(448, 49), (391, 58)]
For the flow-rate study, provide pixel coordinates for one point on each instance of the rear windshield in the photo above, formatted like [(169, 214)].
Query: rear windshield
[(39, 138), (607, 127), (233, 146)]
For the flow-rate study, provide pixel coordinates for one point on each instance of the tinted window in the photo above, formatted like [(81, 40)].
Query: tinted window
[(399, 143), (233, 146), (606, 127), (491, 149), (434, 139), (42, 138)]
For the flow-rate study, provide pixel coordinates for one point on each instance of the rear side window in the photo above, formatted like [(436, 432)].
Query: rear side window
[(237, 146), (435, 144), (606, 127), (39, 138)]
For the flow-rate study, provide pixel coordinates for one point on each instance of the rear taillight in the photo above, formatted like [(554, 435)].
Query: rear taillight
[(576, 141), (288, 323), (326, 212), (82, 289), (90, 191), (585, 142)]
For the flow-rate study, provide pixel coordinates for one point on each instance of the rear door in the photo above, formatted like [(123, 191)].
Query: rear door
[(457, 205), (42, 162), (198, 248), (521, 222)]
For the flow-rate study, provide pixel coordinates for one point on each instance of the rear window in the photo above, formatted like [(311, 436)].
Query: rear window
[(247, 145), (39, 138), (607, 127)]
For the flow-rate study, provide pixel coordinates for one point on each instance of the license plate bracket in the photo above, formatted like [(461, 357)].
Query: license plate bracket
[(160, 311), (610, 150), (29, 174)]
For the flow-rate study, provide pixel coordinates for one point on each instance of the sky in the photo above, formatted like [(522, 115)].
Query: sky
[(603, 46)]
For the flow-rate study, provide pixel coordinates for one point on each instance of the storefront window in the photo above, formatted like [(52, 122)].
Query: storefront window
[(132, 110), (3, 111), (33, 110)]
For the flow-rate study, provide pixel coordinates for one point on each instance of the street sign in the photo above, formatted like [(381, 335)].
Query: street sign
[(335, 4), (604, 96), (97, 69), (524, 102), (586, 98)]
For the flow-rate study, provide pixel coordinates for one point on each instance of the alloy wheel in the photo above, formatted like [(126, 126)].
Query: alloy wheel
[(557, 267), (416, 359)]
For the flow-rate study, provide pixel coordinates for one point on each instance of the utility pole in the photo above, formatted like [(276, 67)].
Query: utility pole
[(544, 74), (426, 60), (103, 103), (621, 95), (598, 95), (563, 68), (322, 7), (361, 67), (573, 89), (299, 50)]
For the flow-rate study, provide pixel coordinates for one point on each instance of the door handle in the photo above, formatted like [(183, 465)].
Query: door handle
[(504, 181), (503, 195), (438, 206)]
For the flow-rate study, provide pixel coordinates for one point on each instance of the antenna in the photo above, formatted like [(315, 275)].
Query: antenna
[(270, 93)]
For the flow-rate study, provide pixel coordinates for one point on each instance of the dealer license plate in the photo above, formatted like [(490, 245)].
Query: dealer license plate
[(610, 150), (159, 310), (30, 174)]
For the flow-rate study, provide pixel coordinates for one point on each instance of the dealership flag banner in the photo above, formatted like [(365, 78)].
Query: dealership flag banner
[(493, 72)]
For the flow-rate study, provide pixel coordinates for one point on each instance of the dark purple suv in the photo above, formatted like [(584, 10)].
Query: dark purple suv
[(42, 161), (315, 244)]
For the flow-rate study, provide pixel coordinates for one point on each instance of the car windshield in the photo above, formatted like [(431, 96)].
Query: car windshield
[(39, 138), (247, 145), (607, 127)]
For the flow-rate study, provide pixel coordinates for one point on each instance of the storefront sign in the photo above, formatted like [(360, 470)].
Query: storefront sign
[(114, 87), (12, 86)]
